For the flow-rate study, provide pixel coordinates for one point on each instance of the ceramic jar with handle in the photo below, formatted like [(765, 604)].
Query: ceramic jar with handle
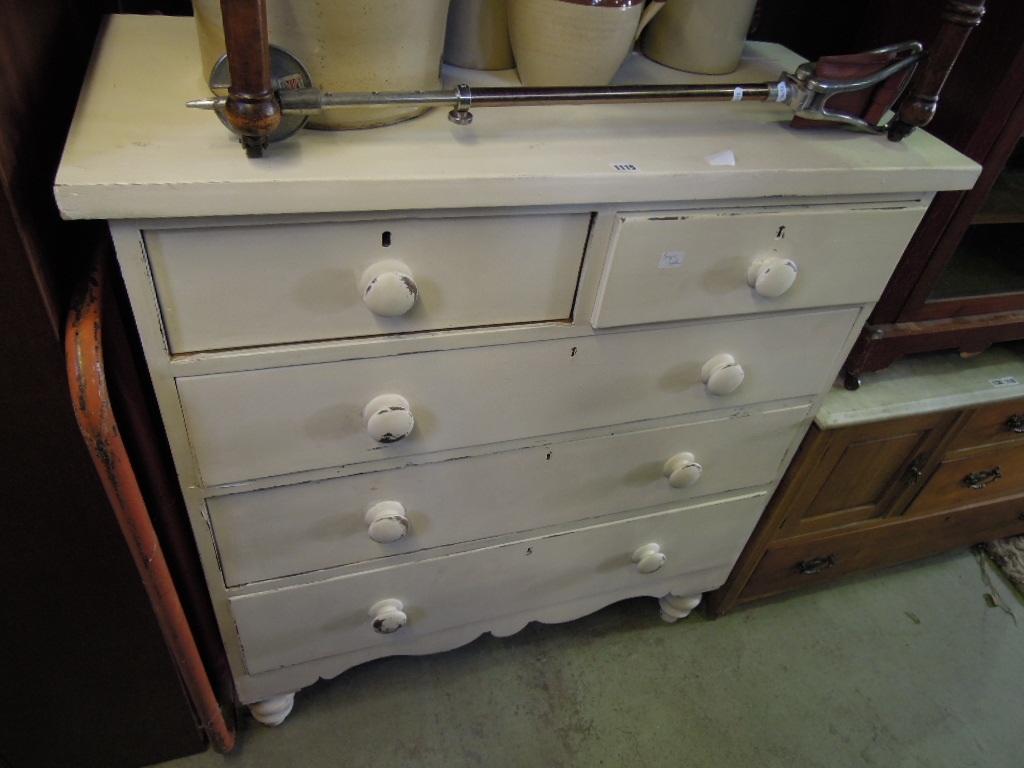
[(575, 42), (477, 36), (705, 36), (349, 45)]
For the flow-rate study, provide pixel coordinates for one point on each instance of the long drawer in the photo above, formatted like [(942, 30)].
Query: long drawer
[(294, 529), (222, 287), (808, 561), (275, 421), (666, 265), (292, 625)]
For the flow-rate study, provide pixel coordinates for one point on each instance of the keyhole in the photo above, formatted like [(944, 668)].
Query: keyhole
[(781, 234), (385, 239)]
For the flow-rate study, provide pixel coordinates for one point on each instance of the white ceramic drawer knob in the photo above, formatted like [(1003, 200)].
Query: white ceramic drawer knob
[(389, 289), (388, 418), (388, 616), (722, 374), (771, 276), (682, 470), (649, 558), (387, 522)]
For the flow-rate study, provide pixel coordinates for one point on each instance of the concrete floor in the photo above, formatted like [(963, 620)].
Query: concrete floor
[(907, 667)]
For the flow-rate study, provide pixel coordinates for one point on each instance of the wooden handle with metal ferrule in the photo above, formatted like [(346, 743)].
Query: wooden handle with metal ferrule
[(252, 107), (918, 106)]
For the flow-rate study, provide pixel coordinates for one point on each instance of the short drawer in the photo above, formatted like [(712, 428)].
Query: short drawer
[(675, 266), (270, 422), (997, 423), (530, 576), (224, 287), (970, 479), (295, 529)]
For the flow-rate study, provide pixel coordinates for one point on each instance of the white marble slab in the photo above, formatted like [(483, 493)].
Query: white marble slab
[(927, 383)]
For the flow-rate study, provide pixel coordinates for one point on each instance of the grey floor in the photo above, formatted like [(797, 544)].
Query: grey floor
[(908, 667)]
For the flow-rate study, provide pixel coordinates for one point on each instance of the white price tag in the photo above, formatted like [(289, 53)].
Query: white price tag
[(671, 260)]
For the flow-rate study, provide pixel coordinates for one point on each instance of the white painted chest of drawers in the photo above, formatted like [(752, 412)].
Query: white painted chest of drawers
[(426, 382)]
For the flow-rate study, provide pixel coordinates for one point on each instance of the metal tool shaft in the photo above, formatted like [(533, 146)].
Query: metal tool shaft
[(464, 97)]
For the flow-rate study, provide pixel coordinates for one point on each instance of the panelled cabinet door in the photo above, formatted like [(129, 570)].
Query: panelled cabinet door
[(862, 473)]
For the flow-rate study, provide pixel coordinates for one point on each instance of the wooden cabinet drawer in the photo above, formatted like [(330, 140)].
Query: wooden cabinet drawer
[(276, 421), (295, 529), (541, 575), (970, 479), (223, 287), (674, 266), (805, 562), (997, 423)]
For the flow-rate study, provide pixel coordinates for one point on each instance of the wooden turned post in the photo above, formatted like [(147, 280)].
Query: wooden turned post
[(918, 107), (252, 107)]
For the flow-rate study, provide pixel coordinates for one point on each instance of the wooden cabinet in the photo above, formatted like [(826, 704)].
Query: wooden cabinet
[(880, 493)]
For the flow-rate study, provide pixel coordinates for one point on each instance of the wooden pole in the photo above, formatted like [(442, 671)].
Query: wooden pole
[(252, 107), (918, 107)]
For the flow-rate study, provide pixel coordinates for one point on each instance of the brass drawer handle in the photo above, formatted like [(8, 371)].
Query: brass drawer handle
[(1016, 423), (978, 480), (816, 565), (916, 470)]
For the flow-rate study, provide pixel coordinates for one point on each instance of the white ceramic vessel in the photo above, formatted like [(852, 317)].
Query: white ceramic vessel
[(705, 36), (572, 42), (348, 45), (477, 35)]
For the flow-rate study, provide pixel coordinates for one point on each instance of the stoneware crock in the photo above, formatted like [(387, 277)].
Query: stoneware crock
[(349, 45), (477, 36), (704, 36), (575, 42)]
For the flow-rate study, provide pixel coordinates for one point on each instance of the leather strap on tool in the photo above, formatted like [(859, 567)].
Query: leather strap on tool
[(870, 104), (916, 107)]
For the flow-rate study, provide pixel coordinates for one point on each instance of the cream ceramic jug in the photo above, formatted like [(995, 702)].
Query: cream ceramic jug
[(575, 42), (477, 36), (349, 45), (705, 36)]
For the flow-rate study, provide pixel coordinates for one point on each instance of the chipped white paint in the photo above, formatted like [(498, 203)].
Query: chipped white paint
[(722, 375), (321, 291), (771, 276), (388, 616), (242, 427), (147, 156), (387, 522), (388, 419), (844, 252), (683, 470), (296, 311), (295, 528), (283, 626), (388, 288)]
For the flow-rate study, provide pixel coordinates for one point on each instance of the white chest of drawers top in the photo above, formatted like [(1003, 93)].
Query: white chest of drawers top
[(426, 381)]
